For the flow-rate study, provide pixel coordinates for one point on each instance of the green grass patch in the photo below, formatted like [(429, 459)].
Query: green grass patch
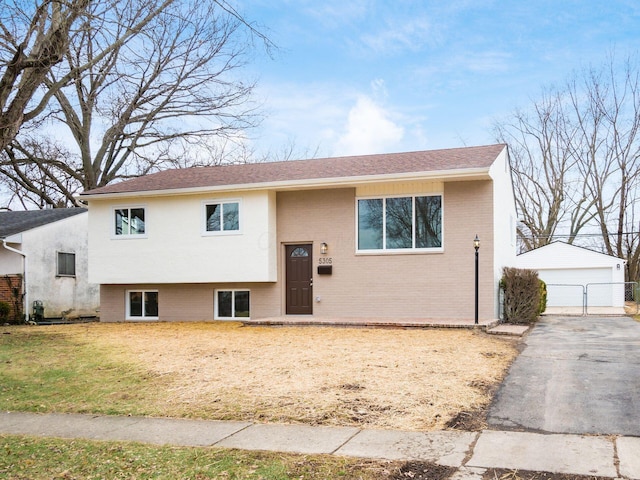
[(41, 371), (24, 457)]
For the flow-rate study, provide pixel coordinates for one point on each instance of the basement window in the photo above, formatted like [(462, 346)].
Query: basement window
[(142, 305), (231, 304)]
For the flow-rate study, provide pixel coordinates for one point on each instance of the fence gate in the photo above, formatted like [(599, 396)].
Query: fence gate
[(589, 299), (614, 298), (566, 298)]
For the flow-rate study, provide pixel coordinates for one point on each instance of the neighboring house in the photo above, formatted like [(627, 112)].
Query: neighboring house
[(578, 280), (387, 235), (43, 255)]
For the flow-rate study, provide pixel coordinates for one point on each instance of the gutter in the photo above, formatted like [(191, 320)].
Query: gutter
[(24, 276)]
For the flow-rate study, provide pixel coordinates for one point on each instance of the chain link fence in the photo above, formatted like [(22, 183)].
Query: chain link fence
[(614, 298)]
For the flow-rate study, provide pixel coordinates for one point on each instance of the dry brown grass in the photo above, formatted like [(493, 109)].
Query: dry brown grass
[(377, 378)]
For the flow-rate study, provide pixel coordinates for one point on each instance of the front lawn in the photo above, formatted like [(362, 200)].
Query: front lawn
[(386, 378), (409, 379)]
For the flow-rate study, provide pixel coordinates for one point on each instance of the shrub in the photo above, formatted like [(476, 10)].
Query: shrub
[(5, 309), (522, 295), (543, 297)]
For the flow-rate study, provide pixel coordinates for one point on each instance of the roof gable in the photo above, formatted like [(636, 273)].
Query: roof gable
[(12, 222), (292, 172), (561, 254)]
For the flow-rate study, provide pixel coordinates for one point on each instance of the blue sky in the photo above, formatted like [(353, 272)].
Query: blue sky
[(371, 76)]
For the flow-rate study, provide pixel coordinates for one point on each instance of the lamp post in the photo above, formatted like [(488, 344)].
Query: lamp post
[(476, 245)]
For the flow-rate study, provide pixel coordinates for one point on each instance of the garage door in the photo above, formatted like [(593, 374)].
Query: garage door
[(565, 286)]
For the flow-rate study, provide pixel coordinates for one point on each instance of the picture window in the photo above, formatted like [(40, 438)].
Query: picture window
[(399, 223)]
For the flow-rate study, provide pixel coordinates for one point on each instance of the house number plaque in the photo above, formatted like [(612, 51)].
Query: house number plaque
[(325, 266)]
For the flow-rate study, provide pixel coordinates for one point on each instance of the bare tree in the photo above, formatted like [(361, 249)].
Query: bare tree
[(34, 37), (126, 100), (576, 162), (30, 44), (606, 106), (550, 194)]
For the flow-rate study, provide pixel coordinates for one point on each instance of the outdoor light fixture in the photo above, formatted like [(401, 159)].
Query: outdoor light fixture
[(324, 248), (476, 246)]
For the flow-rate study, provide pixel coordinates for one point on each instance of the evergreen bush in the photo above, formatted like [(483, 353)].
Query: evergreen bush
[(5, 309), (543, 297)]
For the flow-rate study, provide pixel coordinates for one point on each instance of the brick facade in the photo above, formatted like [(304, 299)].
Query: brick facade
[(9, 285)]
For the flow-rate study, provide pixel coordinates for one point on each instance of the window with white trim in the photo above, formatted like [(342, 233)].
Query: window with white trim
[(129, 221), (66, 264), (142, 305), (232, 304), (222, 217), (399, 223)]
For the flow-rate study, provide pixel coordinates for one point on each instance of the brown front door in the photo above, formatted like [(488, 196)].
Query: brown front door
[(299, 280)]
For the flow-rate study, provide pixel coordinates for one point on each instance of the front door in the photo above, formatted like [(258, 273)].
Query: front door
[(299, 280)]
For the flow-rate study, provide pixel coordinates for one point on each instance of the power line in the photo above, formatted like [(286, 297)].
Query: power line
[(575, 235)]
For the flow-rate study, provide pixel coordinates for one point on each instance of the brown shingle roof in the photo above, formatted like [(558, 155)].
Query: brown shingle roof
[(315, 169)]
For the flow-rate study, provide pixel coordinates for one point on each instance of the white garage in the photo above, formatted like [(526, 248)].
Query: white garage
[(578, 280)]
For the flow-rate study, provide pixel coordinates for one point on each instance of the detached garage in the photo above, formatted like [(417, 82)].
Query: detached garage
[(578, 280)]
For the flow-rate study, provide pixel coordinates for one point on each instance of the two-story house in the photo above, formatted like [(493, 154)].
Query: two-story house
[(384, 236)]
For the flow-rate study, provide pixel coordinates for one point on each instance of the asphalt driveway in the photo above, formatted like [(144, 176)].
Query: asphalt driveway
[(575, 375)]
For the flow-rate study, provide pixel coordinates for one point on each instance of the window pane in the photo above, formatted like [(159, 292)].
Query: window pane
[(137, 221), (122, 222), (242, 304), (230, 216), (151, 304), (370, 224), (399, 215), (428, 222), (66, 263), (135, 304), (213, 218), (225, 304)]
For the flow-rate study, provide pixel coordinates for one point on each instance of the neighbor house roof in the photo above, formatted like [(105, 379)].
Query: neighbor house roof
[(567, 249), (21, 221), (318, 171)]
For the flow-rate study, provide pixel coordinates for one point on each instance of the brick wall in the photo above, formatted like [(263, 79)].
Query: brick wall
[(427, 285), (7, 284)]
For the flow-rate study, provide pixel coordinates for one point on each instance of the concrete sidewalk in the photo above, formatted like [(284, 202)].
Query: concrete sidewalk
[(471, 452)]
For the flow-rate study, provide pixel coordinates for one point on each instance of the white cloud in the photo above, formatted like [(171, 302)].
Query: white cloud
[(404, 35), (335, 13), (368, 130), (335, 119)]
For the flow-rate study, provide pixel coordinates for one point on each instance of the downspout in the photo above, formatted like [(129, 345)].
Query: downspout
[(24, 276)]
